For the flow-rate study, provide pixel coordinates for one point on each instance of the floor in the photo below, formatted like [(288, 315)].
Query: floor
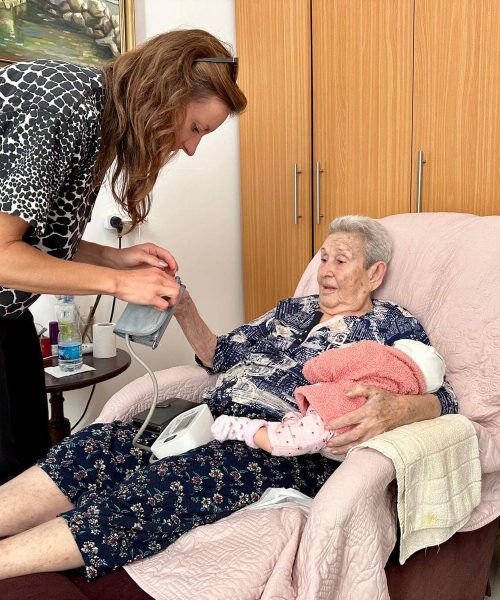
[(495, 573)]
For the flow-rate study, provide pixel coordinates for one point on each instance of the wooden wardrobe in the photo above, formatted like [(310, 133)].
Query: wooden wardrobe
[(370, 107)]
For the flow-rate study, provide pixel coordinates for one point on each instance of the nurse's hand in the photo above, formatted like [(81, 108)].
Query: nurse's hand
[(149, 285), (143, 255)]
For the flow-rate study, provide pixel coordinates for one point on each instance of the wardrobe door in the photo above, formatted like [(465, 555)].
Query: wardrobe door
[(362, 103), (274, 42), (457, 105)]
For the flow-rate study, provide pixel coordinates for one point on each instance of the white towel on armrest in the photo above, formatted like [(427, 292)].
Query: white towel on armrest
[(438, 477)]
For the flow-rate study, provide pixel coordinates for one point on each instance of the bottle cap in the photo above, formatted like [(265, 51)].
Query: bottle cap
[(53, 331)]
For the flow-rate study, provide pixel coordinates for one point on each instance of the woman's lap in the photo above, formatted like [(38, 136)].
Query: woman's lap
[(95, 458), (127, 508)]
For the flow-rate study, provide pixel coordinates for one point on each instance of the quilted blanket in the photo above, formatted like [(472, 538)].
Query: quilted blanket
[(252, 567), (348, 535)]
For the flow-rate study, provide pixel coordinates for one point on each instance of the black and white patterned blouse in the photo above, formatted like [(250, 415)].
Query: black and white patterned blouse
[(50, 116)]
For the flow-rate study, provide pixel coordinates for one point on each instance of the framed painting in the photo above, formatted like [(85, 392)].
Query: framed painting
[(88, 32)]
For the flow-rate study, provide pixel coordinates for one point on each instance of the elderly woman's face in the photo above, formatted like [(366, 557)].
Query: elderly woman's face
[(344, 283)]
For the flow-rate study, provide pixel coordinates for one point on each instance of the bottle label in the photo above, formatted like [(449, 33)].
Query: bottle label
[(70, 351)]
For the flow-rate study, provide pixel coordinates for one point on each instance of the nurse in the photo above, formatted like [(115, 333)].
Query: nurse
[(62, 127)]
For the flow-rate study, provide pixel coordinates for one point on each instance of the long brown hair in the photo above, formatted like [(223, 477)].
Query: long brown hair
[(146, 92)]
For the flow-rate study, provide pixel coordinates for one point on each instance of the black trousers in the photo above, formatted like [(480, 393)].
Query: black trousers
[(24, 429)]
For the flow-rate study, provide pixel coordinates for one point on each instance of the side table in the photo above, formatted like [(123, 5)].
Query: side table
[(105, 368)]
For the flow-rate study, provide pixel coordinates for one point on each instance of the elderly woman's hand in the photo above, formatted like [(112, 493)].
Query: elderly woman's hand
[(382, 412), (184, 305)]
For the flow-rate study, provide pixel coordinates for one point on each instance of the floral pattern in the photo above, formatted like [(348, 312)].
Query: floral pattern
[(127, 508)]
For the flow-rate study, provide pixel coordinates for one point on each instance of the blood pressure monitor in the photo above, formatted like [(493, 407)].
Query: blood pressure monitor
[(188, 430)]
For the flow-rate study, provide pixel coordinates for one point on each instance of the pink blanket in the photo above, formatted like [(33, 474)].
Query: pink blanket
[(335, 372)]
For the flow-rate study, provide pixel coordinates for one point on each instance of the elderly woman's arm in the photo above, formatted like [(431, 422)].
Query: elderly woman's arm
[(382, 412), (201, 339), (220, 353)]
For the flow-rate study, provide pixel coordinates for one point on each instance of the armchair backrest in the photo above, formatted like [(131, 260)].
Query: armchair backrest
[(446, 271)]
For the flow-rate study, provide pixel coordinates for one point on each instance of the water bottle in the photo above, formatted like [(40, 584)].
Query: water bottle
[(69, 340)]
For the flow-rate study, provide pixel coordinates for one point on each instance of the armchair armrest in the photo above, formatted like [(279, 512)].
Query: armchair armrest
[(350, 532), (186, 381), (351, 528)]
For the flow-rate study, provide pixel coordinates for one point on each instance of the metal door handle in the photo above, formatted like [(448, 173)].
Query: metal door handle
[(296, 173), (420, 164), (319, 170)]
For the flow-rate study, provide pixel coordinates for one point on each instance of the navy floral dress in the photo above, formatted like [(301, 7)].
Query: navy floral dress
[(126, 508)]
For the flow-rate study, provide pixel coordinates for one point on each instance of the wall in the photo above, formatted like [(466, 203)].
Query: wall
[(195, 215)]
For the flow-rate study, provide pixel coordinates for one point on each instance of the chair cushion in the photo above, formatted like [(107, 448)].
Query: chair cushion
[(41, 586), (117, 585)]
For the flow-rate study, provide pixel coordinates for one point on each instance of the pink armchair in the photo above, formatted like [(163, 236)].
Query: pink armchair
[(446, 271)]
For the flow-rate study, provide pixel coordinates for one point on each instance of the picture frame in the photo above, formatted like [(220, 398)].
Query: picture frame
[(88, 32)]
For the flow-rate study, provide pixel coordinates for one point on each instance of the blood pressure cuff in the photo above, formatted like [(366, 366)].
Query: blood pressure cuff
[(144, 324)]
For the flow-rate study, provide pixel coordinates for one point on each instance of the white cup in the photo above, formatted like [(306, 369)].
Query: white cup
[(104, 340)]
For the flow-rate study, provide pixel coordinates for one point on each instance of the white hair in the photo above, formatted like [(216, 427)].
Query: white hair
[(377, 243)]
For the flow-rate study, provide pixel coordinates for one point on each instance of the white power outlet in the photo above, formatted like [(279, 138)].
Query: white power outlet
[(107, 221)]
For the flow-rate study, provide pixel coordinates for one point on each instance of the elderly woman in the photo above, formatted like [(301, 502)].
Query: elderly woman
[(114, 506)]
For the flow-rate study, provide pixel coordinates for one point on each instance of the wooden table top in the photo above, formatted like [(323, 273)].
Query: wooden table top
[(105, 368)]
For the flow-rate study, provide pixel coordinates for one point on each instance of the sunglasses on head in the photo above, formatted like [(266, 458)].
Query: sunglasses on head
[(233, 62)]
